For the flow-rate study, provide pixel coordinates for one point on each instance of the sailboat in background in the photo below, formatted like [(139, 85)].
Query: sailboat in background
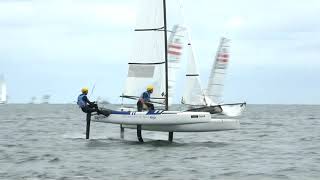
[(209, 100), (3, 90)]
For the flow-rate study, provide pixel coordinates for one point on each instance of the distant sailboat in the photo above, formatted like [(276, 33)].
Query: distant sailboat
[(209, 100), (3, 90), (45, 99), (33, 100)]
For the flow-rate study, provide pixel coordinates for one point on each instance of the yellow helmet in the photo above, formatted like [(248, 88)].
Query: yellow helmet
[(150, 88), (84, 90)]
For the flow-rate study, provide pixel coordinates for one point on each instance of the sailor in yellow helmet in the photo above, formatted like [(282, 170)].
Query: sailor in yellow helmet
[(86, 105), (144, 99)]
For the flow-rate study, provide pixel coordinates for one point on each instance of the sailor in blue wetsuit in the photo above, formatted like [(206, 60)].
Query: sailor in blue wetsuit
[(86, 105), (144, 100)]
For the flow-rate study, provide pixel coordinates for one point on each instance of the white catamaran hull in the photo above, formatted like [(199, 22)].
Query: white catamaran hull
[(170, 121), (154, 118), (212, 125)]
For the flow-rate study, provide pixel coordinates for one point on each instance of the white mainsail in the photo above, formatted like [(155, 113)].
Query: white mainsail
[(3, 90), (218, 72), (147, 66), (175, 47)]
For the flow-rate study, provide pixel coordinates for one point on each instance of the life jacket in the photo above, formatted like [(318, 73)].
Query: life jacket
[(145, 96), (81, 103)]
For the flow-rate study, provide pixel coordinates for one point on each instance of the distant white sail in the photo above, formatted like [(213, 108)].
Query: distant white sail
[(193, 93), (45, 99), (218, 72), (3, 90), (147, 66), (175, 47)]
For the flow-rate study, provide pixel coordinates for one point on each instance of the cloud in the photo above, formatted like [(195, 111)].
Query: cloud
[(39, 13), (64, 30), (61, 33)]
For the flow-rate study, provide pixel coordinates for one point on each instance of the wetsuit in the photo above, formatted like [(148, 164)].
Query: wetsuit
[(144, 99)]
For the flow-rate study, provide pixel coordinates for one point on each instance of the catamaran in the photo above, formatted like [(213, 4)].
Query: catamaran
[(3, 90), (150, 66), (209, 100)]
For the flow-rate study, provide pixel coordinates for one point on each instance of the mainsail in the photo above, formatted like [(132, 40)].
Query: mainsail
[(218, 71), (175, 47), (3, 90), (151, 49), (147, 66)]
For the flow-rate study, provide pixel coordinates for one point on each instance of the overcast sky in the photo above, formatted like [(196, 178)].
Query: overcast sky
[(58, 46)]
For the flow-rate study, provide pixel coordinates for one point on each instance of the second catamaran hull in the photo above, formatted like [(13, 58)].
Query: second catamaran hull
[(156, 117), (212, 125), (231, 110), (170, 121)]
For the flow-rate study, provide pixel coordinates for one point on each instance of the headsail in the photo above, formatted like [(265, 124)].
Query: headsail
[(3, 90), (193, 94), (218, 71), (147, 66)]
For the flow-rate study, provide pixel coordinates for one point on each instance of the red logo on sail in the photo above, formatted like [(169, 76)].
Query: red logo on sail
[(223, 57), (175, 48)]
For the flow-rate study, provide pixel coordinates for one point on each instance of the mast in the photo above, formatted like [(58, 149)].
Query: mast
[(166, 53)]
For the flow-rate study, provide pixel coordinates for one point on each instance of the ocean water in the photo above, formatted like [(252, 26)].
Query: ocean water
[(48, 142)]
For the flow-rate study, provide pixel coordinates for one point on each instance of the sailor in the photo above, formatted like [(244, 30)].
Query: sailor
[(86, 105), (144, 100)]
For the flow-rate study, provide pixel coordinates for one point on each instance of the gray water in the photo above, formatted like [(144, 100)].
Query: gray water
[(48, 142)]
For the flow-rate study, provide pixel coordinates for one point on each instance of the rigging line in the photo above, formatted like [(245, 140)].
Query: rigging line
[(136, 98), (126, 96), (92, 90)]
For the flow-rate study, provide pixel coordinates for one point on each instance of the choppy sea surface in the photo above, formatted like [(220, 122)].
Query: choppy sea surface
[(48, 142)]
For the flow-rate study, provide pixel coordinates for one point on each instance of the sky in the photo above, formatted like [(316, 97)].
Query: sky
[(57, 47)]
